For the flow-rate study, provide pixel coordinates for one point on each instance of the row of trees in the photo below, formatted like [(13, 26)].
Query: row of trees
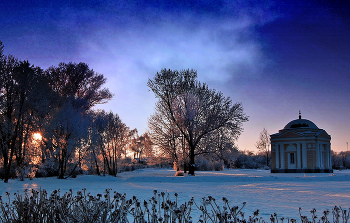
[(341, 160), (47, 121), (48, 125)]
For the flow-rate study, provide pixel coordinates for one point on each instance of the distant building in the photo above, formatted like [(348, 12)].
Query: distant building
[(301, 147)]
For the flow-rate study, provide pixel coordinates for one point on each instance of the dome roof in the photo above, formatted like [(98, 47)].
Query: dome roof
[(301, 123)]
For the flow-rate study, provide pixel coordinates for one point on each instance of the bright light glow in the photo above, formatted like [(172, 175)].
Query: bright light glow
[(37, 136)]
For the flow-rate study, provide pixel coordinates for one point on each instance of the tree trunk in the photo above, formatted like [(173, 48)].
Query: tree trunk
[(96, 163), (7, 172), (62, 164), (192, 164), (116, 167), (267, 158), (107, 165), (97, 168), (61, 174), (6, 164), (115, 162)]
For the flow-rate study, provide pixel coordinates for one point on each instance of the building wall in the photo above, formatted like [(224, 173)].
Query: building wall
[(273, 157), (311, 158), (299, 147)]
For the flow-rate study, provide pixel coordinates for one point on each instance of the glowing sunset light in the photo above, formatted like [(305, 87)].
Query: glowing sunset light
[(37, 136)]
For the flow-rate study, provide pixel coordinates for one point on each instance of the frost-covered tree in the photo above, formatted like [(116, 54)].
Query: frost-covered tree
[(108, 140), (166, 136), (79, 88), (146, 144), (141, 145), (80, 82), (117, 138), (221, 145), (96, 139), (67, 131), (23, 97), (193, 109), (52, 104), (263, 144)]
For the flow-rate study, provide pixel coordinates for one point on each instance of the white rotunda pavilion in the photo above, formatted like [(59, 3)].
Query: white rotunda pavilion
[(301, 147)]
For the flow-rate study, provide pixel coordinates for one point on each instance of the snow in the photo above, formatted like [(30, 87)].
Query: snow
[(282, 193)]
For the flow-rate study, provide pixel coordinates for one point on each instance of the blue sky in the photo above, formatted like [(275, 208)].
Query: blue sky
[(276, 57)]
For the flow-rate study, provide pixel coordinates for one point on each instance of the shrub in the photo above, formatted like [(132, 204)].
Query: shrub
[(26, 170), (49, 168), (208, 163), (37, 206)]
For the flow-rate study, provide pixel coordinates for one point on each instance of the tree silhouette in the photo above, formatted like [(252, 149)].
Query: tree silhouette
[(263, 144), (194, 110)]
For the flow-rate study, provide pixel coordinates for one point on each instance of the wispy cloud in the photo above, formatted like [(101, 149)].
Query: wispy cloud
[(128, 51)]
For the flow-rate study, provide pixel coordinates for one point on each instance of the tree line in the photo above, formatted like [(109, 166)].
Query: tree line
[(49, 127)]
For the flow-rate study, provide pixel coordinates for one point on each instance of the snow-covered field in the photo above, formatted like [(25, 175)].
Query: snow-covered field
[(280, 193)]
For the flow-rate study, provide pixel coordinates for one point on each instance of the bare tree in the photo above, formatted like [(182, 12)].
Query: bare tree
[(263, 144), (79, 88), (165, 135), (53, 102), (221, 144), (96, 139), (67, 130), (141, 145), (193, 109), (80, 82), (21, 87), (117, 137), (109, 139)]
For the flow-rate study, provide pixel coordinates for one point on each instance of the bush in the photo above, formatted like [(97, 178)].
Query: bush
[(37, 206), (160, 162), (26, 171), (208, 163), (49, 168), (250, 161)]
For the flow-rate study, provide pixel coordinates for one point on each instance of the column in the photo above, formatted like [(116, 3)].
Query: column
[(329, 155), (323, 153), (277, 152), (326, 156), (282, 156), (303, 145), (317, 155), (298, 156), (320, 155)]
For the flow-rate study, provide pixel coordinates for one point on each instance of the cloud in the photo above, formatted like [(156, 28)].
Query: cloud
[(220, 48)]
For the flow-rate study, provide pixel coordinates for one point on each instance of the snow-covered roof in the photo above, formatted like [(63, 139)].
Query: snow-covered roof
[(301, 123)]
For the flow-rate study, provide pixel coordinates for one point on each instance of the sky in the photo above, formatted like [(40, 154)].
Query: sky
[(275, 57)]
